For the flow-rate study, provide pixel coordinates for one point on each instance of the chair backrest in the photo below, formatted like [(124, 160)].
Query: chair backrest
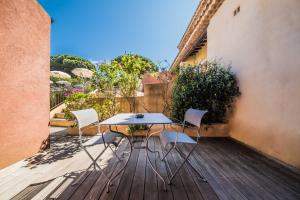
[(85, 117), (194, 116)]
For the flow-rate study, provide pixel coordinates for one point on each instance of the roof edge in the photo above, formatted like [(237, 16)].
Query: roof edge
[(197, 26)]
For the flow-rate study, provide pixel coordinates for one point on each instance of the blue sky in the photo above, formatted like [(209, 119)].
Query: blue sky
[(104, 29)]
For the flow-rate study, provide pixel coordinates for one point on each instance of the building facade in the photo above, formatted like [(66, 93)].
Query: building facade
[(261, 41)]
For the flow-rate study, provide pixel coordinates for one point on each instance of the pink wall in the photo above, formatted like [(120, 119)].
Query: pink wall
[(24, 79)]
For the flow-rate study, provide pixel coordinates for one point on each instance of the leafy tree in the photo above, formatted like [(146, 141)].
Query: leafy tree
[(123, 75), (135, 64), (132, 67), (67, 63)]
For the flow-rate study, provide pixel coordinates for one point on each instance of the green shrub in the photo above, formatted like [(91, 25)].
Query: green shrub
[(137, 127), (105, 107), (208, 86)]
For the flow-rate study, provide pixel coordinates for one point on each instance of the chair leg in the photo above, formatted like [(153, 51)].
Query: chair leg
[(164, 156), (109, 183), (95, 161), (188, 162), (181, 165), (151, 165)]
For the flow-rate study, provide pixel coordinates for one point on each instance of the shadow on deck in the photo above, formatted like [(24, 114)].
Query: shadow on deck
[(232, 170)]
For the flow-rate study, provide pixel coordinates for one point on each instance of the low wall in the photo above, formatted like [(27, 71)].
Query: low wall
[(152, 101)]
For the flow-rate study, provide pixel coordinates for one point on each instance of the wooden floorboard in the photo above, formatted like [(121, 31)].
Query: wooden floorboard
[(138, 184), (151, 187), (232, 170), (190, 187), (258, 168), (124, 186), (162, 169), (113, 165), (215, 176)]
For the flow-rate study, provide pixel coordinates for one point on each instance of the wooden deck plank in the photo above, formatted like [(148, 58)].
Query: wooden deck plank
[(60, 189), (162, 169), (49, 188), (116, 181), (251, 178), (221, 185), (270, 169), (62, 159), (205, 189), (68, 192), (178, 189), (124, 186), (263, 178), (85, 187), (228, 170), (138, 185), (151, 192), (188, 182), (100, 185), (233, 171), (29, 192)]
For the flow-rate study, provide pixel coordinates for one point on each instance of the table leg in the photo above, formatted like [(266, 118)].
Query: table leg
[(148, 158), (127, 161), (144, 141)]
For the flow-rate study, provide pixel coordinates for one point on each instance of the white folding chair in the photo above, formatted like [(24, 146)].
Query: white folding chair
[(88, 117), (170, 139)]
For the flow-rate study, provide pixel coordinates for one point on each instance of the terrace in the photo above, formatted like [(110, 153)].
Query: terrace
[(248, 130), (232, 170)]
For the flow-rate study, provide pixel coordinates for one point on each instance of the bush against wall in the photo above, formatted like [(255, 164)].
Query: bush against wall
[(209, 86)]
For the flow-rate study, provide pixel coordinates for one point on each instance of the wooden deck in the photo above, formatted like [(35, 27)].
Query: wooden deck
[(233, 172)]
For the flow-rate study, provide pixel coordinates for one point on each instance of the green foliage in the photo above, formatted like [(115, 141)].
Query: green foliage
[(106, 77), (209, 86), (67, 63), (105, 107), (134, 128), (135, 64), (123, 75)]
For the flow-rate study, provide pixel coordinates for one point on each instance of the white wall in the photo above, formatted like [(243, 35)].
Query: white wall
[(262, 42)]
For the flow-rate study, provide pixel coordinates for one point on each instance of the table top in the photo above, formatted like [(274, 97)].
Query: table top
[(130, 119)]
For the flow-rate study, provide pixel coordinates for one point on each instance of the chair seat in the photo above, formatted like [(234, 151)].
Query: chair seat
[(170, 137), (109, 137)]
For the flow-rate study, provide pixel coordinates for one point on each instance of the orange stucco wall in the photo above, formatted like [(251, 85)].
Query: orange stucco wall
[(262, 42), (24, 79)]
